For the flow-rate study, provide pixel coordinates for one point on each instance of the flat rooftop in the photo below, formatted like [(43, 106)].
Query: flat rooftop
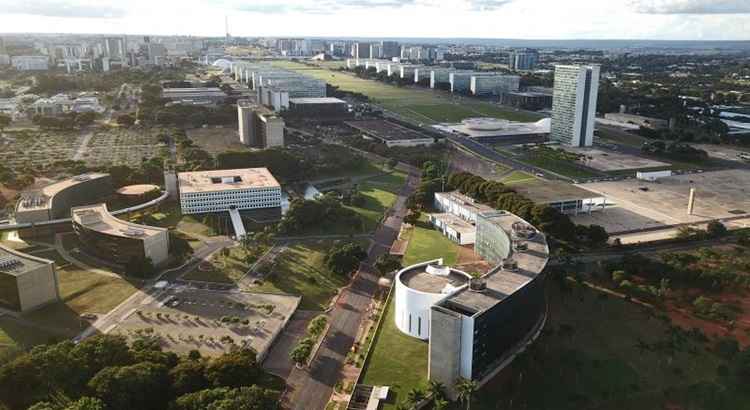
[(455, 223), (419, 279), (546, 192), (320, 100), (465, 201), (504, 282), (42, 199), (491, 127), (226, 180), (13, 262), (97, 218), (386, 130)]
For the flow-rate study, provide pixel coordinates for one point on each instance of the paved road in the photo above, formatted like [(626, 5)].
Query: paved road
[(310, 389)]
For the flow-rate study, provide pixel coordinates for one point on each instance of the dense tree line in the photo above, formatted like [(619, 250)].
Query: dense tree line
[(49, 84), (103, 372), (66, 122)]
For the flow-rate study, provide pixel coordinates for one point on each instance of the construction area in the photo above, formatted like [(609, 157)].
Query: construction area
[(212, 322), (635, 204)]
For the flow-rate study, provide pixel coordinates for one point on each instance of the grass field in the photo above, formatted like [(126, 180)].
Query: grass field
[(300, 270), (426, 244), (396, 360), (602, 353), (416, 103), (81, 292), (224, 268), (380, 194), (557, 162), (518, 177)]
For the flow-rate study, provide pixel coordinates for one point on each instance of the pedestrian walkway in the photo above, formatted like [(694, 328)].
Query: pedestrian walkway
[(239, 227)]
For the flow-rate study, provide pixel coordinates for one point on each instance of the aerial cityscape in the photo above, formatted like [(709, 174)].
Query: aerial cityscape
[(363, 205)]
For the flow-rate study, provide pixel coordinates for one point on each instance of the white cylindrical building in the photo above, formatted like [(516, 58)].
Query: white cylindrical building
[(420, 286)]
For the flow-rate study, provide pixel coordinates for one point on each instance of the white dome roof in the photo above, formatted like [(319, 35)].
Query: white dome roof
[(223, 64)]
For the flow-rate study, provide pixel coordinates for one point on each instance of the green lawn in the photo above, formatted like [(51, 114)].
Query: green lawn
[(300, 271), (426, 244), (224, 268), (380, 194), (396, 360), (606, 354), (518, 177), (81, 292), (14, 335), (559, 163), (417, 103)]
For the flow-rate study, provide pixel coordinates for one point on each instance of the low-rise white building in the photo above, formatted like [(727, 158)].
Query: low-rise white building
[(224, 190), (460, 205), (454, 228)]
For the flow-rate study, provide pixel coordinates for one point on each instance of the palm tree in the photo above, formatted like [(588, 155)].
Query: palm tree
[(403, 406), (465, 388), (439, 404), (415, 395), (436, 389)]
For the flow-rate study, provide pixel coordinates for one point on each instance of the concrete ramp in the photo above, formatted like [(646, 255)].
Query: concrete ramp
[(239, 227)]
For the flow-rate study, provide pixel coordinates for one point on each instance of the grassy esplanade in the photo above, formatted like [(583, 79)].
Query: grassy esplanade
[(416, 103)]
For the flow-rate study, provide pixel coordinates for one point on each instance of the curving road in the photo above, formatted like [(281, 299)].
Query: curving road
[(310, 389)]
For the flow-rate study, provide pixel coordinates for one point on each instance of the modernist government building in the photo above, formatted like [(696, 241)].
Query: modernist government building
[(476, 324)]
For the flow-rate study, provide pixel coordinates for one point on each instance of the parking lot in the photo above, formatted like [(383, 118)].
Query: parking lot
[(212, 322), (608, 160), (719, 194)]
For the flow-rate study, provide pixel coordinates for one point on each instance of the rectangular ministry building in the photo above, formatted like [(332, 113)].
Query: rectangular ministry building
[(574, 104), (223, 190), (26, 281)]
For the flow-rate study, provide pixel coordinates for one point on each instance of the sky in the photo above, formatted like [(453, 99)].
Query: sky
[(515, 19)]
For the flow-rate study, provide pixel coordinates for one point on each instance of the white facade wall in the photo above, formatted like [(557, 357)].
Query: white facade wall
[(416, 142), (439, 76), (482, 85), (446, 204), (467, 346), (30, 63), (250, 198), (412, 307), (421, 74), (653, 176), (460, 82)]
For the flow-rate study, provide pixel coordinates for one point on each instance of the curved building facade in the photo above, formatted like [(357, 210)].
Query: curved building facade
[(477, 330), (420, 286), (54, 201), (117, 240)]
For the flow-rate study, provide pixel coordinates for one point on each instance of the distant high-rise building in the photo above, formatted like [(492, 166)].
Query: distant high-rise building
[(376, 50), (574, 104), (523, 60), (259, 127), (115, 47), (390, 49), (361, 50)]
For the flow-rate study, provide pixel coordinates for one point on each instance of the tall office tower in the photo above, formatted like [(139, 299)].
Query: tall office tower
[(390, 49), (376, 50), (258, 126), (523, 60), (574, 104)]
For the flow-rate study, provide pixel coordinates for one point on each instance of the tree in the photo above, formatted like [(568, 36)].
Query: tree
[(465, 388), (5, 121), (716, 229), (413, 217), (302, 351), (87, 403), (188, 376), (234, 369), (139, 386), (387, 263), (343, 258), (242, 398), (440, 404)]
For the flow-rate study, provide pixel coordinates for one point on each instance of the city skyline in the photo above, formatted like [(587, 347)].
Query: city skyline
[(578, 19)]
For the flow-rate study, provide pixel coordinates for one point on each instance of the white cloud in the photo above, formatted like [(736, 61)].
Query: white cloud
[(61, 8), (532, 19), (691, 6)]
